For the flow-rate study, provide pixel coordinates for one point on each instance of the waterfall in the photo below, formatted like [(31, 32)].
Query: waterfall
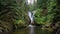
[(30, 14), (31, 27)]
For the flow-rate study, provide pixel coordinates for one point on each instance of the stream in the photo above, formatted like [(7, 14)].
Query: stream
[(31, 29)]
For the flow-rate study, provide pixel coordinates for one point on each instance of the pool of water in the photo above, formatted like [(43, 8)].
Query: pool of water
[(31, 30)]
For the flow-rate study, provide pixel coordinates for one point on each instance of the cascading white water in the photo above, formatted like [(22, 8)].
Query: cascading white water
[(30, 16), (31, 27)]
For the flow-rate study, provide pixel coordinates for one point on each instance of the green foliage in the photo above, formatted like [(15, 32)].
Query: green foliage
[(7, 10), (21, 12), (48, 14), (19, 22), (42, 3), (7, 15), (13, 11)]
